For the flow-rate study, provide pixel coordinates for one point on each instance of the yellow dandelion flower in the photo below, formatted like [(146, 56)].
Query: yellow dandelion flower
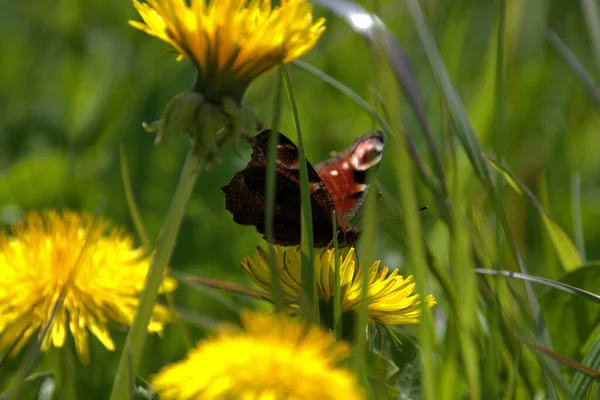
[(391, 298), (94, 269), (231, 42), (273, 357)]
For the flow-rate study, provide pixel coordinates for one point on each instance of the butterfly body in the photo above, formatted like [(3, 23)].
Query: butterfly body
[(333, 188)]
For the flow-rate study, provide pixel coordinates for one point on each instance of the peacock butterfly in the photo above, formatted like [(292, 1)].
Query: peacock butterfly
[(337, 184)]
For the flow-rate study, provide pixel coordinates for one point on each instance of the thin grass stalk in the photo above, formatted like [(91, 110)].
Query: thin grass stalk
[(464, 131), (425, 173), (439, 196), (309, 305), (362, 103), (412, 226), (493, 343), (576, 213), (337, 289), (466, 304), (417, 261), (575, 291), (270, 186), (134, 210), (368, 241), (67, 376), (30, 360), (581, 382), (552, 266), (510, 388), (575, 65), (591, 15), (136, 337)]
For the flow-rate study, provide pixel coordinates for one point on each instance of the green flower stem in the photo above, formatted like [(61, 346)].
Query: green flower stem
[(67, 381), (276, 291), (309, 305), (134, 211), (130, 357), (368, 244), (337, 291)]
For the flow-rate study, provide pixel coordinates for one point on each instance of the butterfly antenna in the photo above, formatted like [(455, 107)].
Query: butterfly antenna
[(391, 217)]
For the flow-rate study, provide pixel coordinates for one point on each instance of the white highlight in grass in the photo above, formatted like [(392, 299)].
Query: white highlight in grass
[(361, 21)]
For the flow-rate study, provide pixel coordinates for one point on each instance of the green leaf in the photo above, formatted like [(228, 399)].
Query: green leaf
[(581, 382), (563, 245), (565, 248), (40, 386), (382, 373), (572, 319), (508, 177), (393, 335)]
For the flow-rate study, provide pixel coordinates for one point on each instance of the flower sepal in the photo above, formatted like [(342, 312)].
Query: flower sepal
[(208, 125)]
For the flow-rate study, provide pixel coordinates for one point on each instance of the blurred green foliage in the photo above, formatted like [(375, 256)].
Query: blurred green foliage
[(76, 82)]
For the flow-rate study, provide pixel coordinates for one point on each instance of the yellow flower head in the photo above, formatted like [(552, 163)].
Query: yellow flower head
[(391, 297), (273, 357), (231, 41), (92, 272)]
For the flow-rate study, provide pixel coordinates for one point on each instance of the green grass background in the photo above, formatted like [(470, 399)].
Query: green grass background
[(76, 82)]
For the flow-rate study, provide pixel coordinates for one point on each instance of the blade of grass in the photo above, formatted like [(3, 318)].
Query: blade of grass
[(552, 266), (466, 304), (422, 168), (592, 373), (136, 337), (584, 294), (270, 187), (231, 287), (337, 290), (134, 211), (380, 37), (576, 213), (216, 295), (66, 376), (382, 120), (362, 103), (591, 15), (581, 382), (412, 226), (309, 305), (469, 141), (500, 97), (368, 238), (566, 250), (572, 62)]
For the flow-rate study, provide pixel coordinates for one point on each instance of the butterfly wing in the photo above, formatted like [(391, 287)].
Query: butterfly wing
[(245, 194), (345, 174)]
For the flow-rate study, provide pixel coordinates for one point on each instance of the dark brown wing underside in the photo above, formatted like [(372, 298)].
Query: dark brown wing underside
[(245, 195)]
